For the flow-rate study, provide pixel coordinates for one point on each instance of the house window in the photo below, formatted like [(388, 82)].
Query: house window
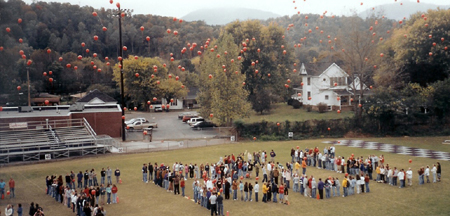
[(309, 81), (326, 97), (324, 79), (309, 94), (329, 108)]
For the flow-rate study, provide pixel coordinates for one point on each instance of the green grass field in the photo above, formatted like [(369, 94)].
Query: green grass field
[(138, 198), (282, 112)]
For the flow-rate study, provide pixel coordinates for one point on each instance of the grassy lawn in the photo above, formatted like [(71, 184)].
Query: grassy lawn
[(282, 112), (138, 198)]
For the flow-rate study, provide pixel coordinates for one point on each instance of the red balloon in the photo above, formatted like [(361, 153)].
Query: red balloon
[(50, 72), (125, 48), (60, 58), (94, 55), (136, 74), (50, 79), (20, 40), (148, 38), (94, 13), (95, 37), (45, 73), (104, 28), (8, 29), (18, 88), (46, 102), (87, 50), (68, 65), (19, 20), (80, 57), (83, 44), (118, 4), (75, 67), (1, 48), (211, 115), (29, 62), (142, 28), (49, 51), (410, 160)]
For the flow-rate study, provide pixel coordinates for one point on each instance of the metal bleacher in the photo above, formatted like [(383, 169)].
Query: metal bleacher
[(53, 139)]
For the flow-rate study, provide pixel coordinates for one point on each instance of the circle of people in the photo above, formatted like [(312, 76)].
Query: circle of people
[(227, 176), (92, 195)]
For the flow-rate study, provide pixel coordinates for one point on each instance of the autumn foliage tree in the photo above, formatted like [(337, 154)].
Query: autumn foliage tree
[(221, 89)]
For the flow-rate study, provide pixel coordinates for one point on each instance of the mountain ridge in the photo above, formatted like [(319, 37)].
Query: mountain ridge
[(223, 16)]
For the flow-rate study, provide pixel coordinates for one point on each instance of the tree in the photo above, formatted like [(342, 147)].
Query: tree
[(171, 89), (221, 91), (139, 86), (265, 63), (418, 51), (358, 50)]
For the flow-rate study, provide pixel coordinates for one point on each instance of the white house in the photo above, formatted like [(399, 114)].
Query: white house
[(330, 87)]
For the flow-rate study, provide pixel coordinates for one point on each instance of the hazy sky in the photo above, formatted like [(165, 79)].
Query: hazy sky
[(179, 8)]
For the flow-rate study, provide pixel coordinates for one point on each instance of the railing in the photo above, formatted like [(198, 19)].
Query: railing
[(36, 125), (139, 147), (89, 128), (53, 135), (107, 141)]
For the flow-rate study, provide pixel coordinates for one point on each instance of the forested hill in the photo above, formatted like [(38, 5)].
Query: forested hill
[(223, 16), (64, 27)]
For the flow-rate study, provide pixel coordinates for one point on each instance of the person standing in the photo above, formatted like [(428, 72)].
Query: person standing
[(219, 202), (427, 173), (176, 183), (212, 200), (264, 189), (246, 191), (272, 156), (409, 176), (114, 193), (32, 209), (102, 176), (20, 210), (274, 191), (366, 181), (2, 188), (79, 179), (320, 187), (150, 171), (8, 210), (401, 177), (304, 166), (256, 188), (117, 174), (86, 178), (108, 175), (108, 194), (281, 193), (438, 171), (433, 171), (144, 173), (12, 185)]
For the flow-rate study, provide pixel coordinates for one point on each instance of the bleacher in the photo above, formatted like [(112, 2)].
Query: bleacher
[(48, 139)]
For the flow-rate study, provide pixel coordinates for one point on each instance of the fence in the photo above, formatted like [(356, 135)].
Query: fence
[(139, 147)]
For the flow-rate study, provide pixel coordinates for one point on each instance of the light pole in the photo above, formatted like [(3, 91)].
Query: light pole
[(119, 14)]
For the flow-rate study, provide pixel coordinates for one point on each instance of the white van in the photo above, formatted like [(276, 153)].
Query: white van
[(195, 120)]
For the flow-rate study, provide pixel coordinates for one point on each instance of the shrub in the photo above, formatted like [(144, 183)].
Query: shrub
[(296, 104), (289, 102), (322, 107), (308, 108)]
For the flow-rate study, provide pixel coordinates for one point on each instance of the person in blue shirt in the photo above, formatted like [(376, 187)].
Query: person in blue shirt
[(320, 187), (2, 188), (80, 179), (19, 210)]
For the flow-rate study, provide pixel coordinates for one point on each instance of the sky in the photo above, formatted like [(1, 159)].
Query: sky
[(179, 8)]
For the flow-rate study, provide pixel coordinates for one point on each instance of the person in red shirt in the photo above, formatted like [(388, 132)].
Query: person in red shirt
[(182, 187), (12, 184), (114, 193), (281, 192)]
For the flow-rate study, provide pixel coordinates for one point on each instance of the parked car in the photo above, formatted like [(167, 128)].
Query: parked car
[(180, 116), (195, 120), (187, 117), (158, 109), (139, 125), (130, 121), (203, 124)]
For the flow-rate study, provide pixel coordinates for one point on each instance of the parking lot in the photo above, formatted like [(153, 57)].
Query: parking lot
[(169, 127)]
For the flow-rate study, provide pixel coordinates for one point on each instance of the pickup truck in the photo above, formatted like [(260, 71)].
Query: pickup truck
[(139, 125)]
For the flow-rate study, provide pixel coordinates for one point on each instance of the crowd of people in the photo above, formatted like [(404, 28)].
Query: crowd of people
[(92, 195)]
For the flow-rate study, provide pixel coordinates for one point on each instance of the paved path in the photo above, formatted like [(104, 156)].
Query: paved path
[(404, 150)]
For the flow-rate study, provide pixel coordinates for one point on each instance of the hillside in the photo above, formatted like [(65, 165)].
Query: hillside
[(396, 11), (222, 16)]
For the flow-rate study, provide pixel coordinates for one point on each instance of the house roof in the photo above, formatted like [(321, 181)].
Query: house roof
[(96, 94), (343, 92), (331, 66), (316, 69), (192, 94)]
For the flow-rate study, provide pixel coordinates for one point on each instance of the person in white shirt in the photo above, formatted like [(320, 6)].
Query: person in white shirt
[(409, 175), (263, 157), (401, 177), (296, 155), (427, 173), (433, 171), (390, 177), (256, 189)]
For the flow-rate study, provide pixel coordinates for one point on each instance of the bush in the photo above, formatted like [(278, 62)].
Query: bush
[(308, 108), (322, 107), (296, 104), (289, 102)]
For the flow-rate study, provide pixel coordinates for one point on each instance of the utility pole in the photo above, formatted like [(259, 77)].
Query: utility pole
[(28, 83), (121, 73)]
